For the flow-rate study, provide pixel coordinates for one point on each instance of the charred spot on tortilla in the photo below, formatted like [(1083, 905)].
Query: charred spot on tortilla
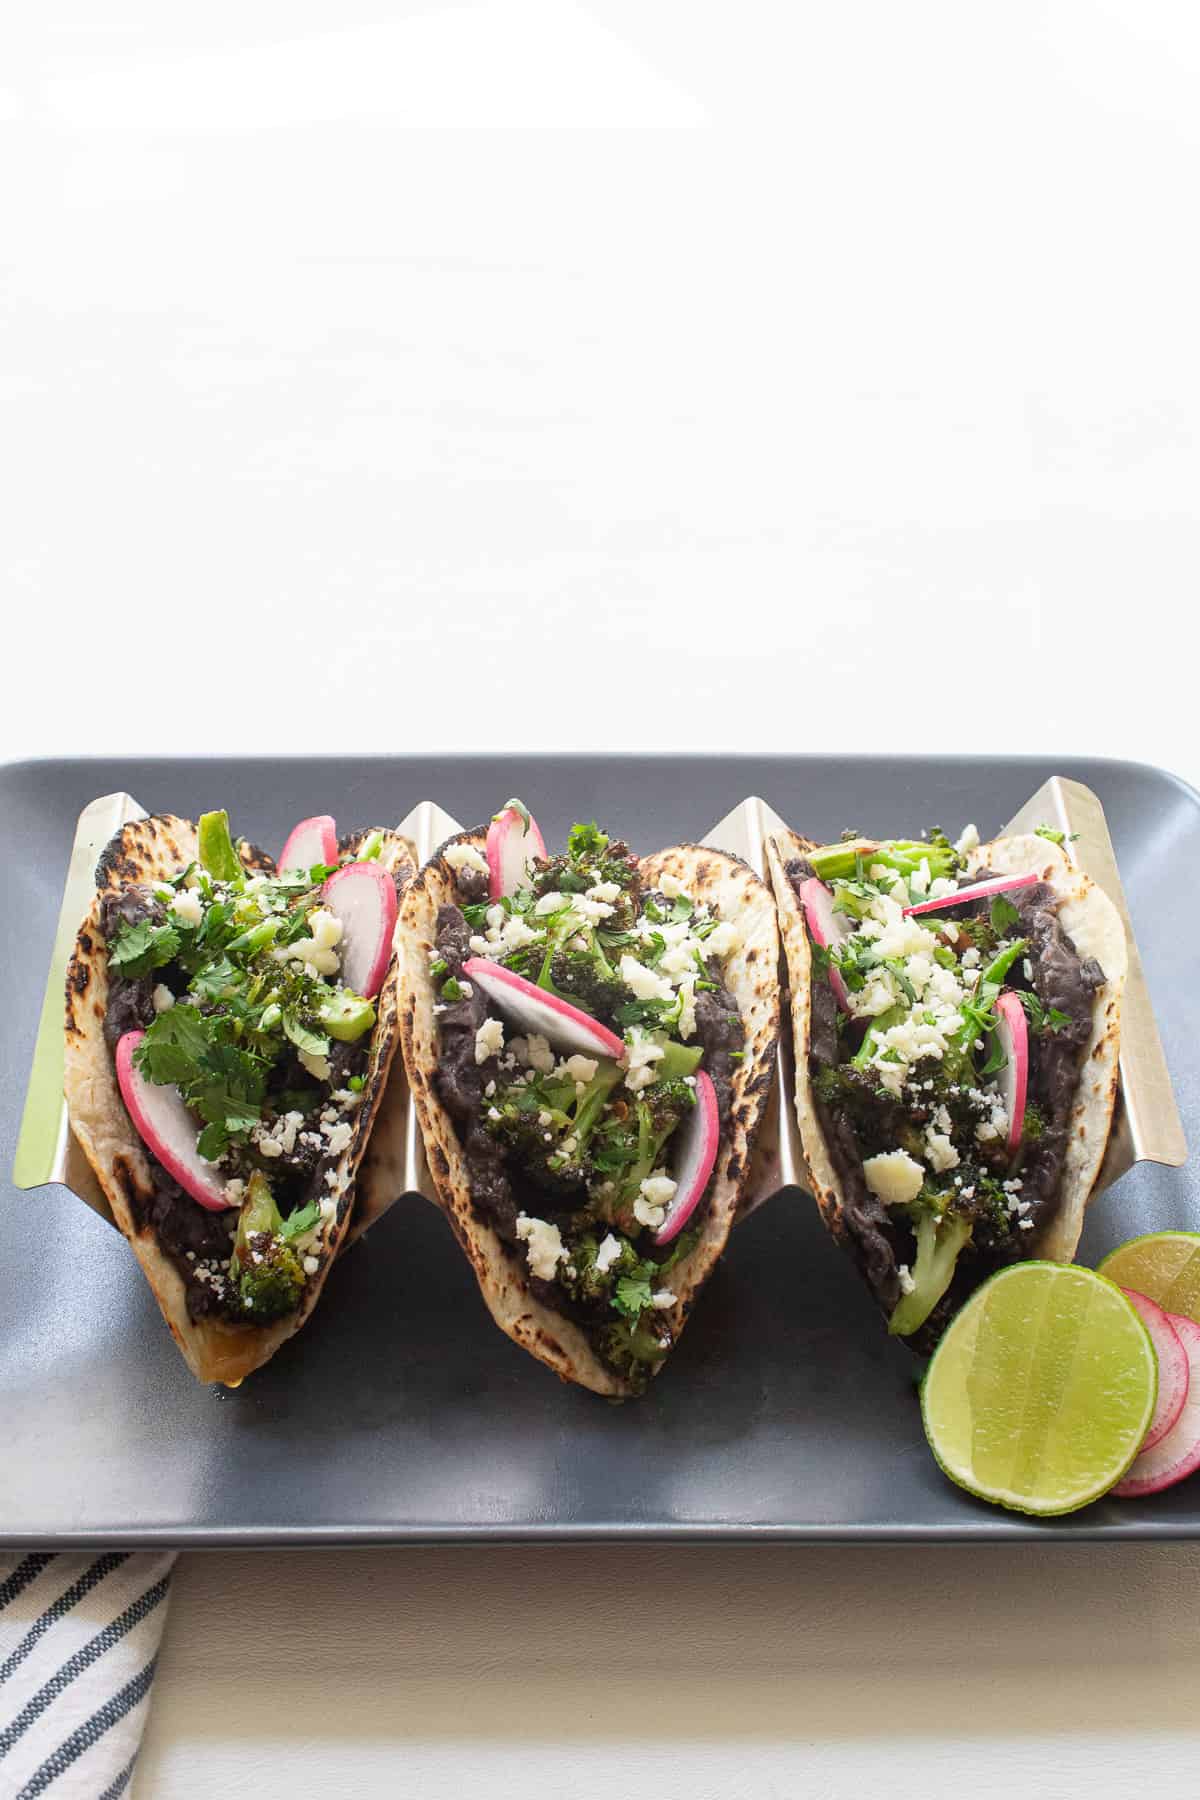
[(582, 1066)]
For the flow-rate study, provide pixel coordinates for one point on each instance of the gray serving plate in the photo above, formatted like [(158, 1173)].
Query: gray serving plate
[(400, 1414)]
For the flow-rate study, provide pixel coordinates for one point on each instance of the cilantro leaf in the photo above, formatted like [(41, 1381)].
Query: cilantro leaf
[(213, 1141), (1003, 914), (631, 1296), (297, 1223), (643, 1012), (216, 980), (1040, 1017), (170, 1053), (137, 949), (586, 842)]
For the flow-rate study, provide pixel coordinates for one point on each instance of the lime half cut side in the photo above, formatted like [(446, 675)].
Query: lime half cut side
[(1165, 1265), (1040, 1393)]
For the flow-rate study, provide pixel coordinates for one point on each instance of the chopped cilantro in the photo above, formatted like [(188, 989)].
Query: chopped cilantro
[(1003, 914), (138, 949), (631, 1295), (1040, 1017), (297, 1223)]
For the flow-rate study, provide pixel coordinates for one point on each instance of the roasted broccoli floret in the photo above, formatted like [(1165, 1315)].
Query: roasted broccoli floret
[(265, 1272), (548, 1127), (633, 1347), (591, 857), (585, 1279), (588, 979)]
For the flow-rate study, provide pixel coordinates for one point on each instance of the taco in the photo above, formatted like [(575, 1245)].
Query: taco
[(956, 1015), (229, 1028), (588, 1039)]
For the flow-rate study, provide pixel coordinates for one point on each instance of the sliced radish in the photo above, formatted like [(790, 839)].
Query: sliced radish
[(363, 897), (312, 841), (698, 1138), (1174, 1376), (561, 1024), (1013, 1079), (1177, 1454), (513, 840), (979, 890), (825, 927), (166, 1127)]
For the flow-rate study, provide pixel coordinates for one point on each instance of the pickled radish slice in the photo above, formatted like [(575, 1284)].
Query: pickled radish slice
[(1013, 1080), (312, 841), (697, 1139), (1178, 1454), (825, 928), (167, 1128), (534, 1010), (979, 890), (363, 897), (1174, 1375), (513, 840)]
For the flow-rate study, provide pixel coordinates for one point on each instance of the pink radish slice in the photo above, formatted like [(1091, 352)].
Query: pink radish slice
[(533, 1009), (980, 890), (363, 897), (166, 1127), (511, 846), (825, 928), (1178, 1454), (699, 1136), (1013, 1079), (312, 841), (1174, 1376)]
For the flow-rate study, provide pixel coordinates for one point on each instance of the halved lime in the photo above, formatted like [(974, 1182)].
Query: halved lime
[(1163, 1264), (1040, 1393)]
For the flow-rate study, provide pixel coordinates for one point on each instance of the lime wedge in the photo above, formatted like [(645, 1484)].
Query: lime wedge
[(1040, 1393), (1163, 1264)]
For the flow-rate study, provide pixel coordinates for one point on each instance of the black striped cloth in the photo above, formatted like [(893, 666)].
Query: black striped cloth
[(79, 1639)]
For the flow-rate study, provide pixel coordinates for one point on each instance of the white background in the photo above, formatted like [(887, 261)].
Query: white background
[(631, 374)]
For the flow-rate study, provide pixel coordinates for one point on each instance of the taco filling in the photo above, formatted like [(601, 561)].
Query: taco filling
[(588, 1144), (944, 1052), (227, 993)]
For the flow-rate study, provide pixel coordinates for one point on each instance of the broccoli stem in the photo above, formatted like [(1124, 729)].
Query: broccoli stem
[(591, 1101), (999, 966), (837, 862), (877, 1027), (939, 1242), (678, 1060), (256, 938), (980, 1019), (259, 1211)]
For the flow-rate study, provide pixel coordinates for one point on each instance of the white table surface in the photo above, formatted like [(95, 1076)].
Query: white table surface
[(637, 374)]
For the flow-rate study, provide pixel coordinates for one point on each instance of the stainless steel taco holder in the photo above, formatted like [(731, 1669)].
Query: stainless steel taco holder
[(1146, 1126)]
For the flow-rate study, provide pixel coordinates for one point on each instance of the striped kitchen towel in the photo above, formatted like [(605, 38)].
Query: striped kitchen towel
[(79, 1639)]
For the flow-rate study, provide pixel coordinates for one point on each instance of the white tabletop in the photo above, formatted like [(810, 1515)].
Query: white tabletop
[(638, 374)]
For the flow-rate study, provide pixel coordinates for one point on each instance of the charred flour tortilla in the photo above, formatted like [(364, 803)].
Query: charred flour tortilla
[(175, 1239), (484, 1191), (996, 1206)]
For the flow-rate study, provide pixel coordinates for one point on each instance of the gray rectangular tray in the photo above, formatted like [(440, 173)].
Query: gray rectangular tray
[(400, 1414)]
